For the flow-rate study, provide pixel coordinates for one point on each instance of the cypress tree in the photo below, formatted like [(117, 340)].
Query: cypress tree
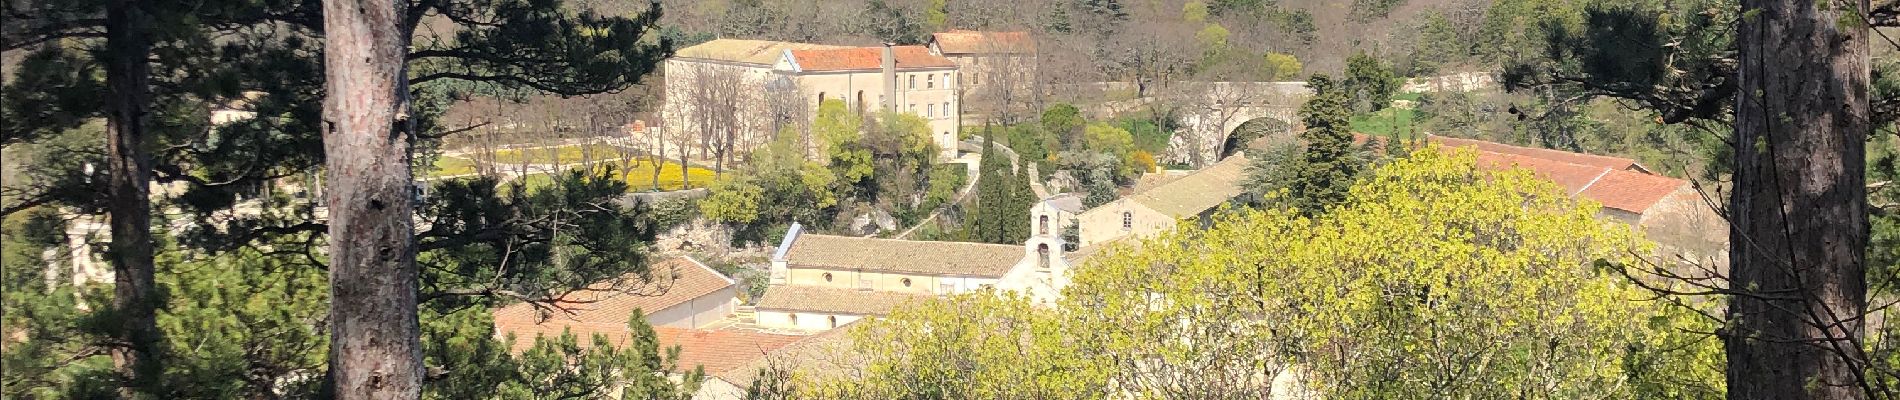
[(1329, 162), (1022, 197)]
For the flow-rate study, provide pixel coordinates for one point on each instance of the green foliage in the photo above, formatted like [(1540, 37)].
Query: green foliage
[(778, 188), (47, 312), (1115, 142), (903, 152), (980, 345), (999, 215), (840, 130), (1370, 83), (945, 181), (1437, 43), (936, 18), (1502, 267), (1281, 66), (1064, 121), (1329, 163), (1212, 37), (1148, 137), (1392, 122), (241, 321), (1194, 11), (1296, 23), (1033, 143), (1367, 10)]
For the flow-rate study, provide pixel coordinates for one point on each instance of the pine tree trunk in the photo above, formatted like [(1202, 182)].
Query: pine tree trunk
[(375, 351), (1798, 210), (128, 193)]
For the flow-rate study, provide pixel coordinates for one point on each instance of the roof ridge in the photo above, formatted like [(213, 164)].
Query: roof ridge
[(1593, 181)]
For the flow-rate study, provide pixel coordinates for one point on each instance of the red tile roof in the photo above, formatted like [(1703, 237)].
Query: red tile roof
[(673, 282), (1548, 154), (971, 42), (721, 350), (1619, 189), (1632, 191), (717, 350), (863, 58), (1574, 178)]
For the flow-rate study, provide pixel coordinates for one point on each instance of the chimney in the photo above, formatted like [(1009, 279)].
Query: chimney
[(890, 77)]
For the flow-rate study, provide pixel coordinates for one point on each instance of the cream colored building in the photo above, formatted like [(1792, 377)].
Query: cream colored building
[(998, 67), (756, 88), (1159, 208), (821, 282)]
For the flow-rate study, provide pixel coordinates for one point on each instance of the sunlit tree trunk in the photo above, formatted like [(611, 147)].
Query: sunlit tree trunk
[(375, 352)]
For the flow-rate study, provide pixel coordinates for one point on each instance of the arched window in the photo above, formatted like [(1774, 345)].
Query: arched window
[(827, 277), (860, 102), (1043, 222), (833, 319), (905, 281), (1128, 220), (821, 98), (1042, 256), (792, 317)]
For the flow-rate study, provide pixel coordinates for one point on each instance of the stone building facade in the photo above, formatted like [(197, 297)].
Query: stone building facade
[(755, 89)]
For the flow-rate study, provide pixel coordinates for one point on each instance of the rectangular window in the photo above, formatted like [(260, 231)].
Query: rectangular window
[(946, 80), (912, 108), (976, 79), (930, 81), (930, 110), (913, 81), (946, 110)]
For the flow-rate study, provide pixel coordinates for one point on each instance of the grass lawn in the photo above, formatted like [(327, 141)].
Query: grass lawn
[(1389, 123), (452, 166), (559, 155), (641, 178)]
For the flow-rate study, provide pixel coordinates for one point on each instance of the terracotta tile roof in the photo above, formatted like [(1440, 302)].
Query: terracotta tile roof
[(972, 42), (721, 350), (1572, 177), (833, 300), (672, 282), (867, 58), (1619, 189), (1620, 163), (1203, 190), (824, 355), (1632, 191), (761, 52), (902, 256), (717, 350)]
